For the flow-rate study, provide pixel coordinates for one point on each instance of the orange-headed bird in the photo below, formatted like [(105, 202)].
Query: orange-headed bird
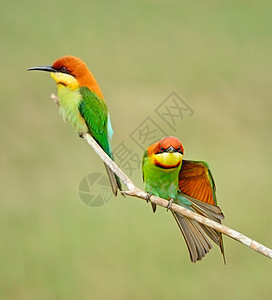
[(81, 103), (187, 183)]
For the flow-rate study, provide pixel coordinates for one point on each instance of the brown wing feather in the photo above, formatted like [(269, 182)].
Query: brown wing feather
[(195, 180), (197, 185)]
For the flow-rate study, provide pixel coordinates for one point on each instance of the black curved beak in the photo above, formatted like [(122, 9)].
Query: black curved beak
[(42, 68), (170, 149)]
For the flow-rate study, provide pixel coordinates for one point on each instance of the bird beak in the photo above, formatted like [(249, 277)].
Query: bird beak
[(42, 68), (170, 149)]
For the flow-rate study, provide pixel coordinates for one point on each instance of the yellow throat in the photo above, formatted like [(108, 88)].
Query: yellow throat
[(168, 160), (65, 79)]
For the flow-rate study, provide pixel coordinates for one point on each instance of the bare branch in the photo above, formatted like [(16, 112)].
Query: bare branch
[(136, 192)]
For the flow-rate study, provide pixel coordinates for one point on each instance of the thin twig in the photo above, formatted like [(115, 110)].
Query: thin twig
[(136, 192)]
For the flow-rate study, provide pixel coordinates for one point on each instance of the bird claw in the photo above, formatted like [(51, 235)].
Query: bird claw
[(169, 206), (147, 197)]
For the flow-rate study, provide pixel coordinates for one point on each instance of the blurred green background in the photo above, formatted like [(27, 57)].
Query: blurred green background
[(217, 57)]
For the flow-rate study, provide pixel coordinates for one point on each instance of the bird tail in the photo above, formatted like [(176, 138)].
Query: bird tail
[(114, 181), (197, 235)]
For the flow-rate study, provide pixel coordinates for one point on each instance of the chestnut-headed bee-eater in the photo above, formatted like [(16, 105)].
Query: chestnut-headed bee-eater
[(186, 183), (81, 103)]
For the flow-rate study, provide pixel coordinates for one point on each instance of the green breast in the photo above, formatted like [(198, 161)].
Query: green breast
[(69, 101), (160, 182)]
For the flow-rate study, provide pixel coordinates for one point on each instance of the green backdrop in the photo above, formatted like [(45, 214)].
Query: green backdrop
[(216, 57)]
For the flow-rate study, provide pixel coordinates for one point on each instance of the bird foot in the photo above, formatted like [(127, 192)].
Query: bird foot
[(169, 206), (147, 197), (81, 135)]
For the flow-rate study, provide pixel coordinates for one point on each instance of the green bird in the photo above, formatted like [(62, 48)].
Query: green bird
[(187, 183), (81, 103)]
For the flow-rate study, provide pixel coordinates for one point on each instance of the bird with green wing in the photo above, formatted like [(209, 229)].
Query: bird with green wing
[(82, 104), (189, 184)]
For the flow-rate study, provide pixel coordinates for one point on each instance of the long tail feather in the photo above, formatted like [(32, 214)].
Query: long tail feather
[(196, 239), (114, 181), (214, 213), (197, 235)]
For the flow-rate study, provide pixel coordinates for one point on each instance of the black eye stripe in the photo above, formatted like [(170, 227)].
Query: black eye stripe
[(64, 70), (165, 150), (160, 151)]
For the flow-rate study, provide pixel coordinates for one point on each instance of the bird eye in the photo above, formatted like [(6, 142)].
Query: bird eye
[(179, 150), (64, 70), (160, 150)]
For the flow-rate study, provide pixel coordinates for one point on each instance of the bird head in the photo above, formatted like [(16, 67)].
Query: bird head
[(166, 153), (72, 72)]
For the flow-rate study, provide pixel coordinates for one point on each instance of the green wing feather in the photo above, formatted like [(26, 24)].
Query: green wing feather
[(143, 164), (95, 113)]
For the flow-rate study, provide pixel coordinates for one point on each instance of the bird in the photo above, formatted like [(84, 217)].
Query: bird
[(82, 104), (187, 183)]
